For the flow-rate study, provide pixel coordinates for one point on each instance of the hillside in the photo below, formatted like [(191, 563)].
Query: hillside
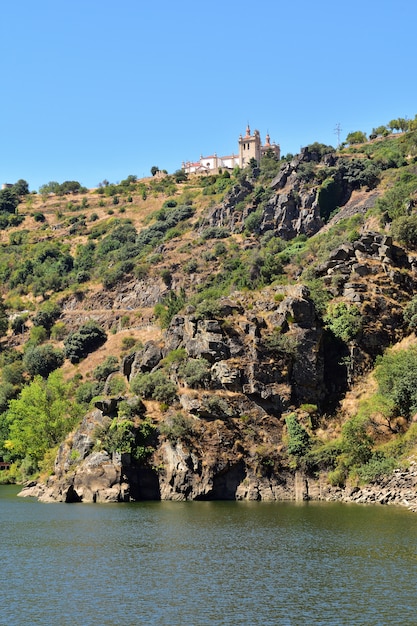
[(216, 336)]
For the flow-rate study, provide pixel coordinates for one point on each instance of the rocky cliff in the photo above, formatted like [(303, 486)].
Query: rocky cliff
[(209, 398), (263, 358)]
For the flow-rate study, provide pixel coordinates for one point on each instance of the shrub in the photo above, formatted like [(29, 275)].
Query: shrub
[(215, 232), (87, 391), (102, 371), (47, 315), (281, 343), (42, 360), (410, 314), (38, 335), (88, 338), (196, 372), (128, 343), (58, 331), (191, 266), (170, 306), (177, 427), (253, 221), (356, 442), (116, 385), (377, 466), (155, 386), (18, 324), (404, 230), (396, 373), (344, 321), (298, 438)]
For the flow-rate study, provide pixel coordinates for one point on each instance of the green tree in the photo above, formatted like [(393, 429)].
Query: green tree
[(47, 315), (40, 417), (356, 137), (47, 188), (42, 360), (298, 438), (21, 188), (154, 170), (344, 321), (180, 176), (394, 125), (356, 443), (88, 338), (380, 131), (8, 200), (396, 374)]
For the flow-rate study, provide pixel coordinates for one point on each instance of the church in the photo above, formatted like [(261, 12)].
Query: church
[(250, 146)]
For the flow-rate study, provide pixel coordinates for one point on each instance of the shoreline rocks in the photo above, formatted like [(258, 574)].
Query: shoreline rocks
[(184, 483)]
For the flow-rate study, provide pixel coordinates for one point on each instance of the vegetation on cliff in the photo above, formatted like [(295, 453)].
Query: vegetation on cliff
[(259, 304)]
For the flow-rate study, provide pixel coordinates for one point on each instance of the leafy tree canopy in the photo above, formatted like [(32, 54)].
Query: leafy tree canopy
[(8, 200), (356, 137), (40, 418)]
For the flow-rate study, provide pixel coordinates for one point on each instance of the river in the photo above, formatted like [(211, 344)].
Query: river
[(206, 563)]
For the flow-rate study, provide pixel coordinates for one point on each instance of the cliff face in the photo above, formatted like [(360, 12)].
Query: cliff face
[(263, 359), (229, 377)]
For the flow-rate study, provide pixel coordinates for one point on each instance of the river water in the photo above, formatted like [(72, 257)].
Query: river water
[(203, 563)]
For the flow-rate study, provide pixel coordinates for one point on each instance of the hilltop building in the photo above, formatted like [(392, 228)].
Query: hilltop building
[(250, 146)]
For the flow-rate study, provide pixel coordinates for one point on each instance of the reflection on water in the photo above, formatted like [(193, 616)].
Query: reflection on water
[(200, 563)]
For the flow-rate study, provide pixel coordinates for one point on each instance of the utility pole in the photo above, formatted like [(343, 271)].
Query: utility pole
[(337, 132)]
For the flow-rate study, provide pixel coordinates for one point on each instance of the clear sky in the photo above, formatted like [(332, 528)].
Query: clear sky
[(99, 89)]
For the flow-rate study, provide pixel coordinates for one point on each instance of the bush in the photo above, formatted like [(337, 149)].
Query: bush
[(38, 335), (396, 374), (154, 386), (215, 232), (196, 372), (356, 442), (18, 324), (377, 466), (253, 222), (88, 338), (128, 342), (410, 314), (344, 321), (102, 371), (404, 230), (298, 438), (170, 306), (47, 315), (178, 427), (42, 360), (58, 331), (87, 391), (116, 385)]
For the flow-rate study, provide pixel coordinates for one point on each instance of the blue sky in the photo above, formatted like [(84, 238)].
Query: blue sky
[(94, 89)]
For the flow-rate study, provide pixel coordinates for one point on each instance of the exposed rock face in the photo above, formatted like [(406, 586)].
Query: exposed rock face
[(254, 376), (143, 361), (290, 214)]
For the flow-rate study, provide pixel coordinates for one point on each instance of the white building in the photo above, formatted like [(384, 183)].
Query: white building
[(250, 146)]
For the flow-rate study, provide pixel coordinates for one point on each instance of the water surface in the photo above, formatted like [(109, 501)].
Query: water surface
[(201, 563)]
